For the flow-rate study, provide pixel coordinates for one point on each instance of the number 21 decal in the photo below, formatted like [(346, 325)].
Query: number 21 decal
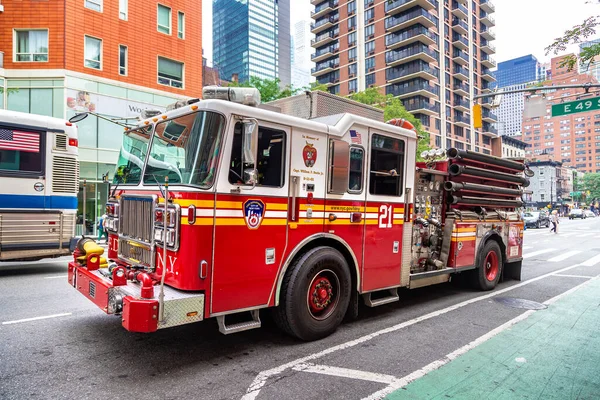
[(386, 216)]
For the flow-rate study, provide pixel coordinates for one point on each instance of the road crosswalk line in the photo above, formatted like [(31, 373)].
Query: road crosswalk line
[(592, 261), (537, 253), (564, 256), (527, 247)]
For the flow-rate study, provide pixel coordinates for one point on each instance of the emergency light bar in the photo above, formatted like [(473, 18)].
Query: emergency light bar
[(246, 96)]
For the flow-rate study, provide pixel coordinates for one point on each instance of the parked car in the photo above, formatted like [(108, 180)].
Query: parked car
[(577, 213), (589, 213), (536, 219)]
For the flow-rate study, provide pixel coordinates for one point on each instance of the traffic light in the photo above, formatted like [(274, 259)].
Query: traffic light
[(477, 122)]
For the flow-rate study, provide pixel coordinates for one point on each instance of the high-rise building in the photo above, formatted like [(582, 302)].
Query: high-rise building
[(301, 51), (518, 70), (592, 68), (252, 38), (572, 139), (433, 55), (58, 58)]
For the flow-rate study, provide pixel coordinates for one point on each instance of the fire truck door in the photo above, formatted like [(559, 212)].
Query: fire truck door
[(251, 220), (383, 235)]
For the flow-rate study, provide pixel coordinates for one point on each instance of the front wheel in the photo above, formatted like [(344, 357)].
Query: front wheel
[(538, 225), (314, 295), (489, 266)]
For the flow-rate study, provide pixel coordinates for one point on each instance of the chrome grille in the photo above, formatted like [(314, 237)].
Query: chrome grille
[(135, 253), (65, 175), (137, 217)]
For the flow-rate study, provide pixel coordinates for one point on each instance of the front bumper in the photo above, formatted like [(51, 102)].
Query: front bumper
[(138, 314)]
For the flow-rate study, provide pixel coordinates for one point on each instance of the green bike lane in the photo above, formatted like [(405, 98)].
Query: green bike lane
[(553, 353)]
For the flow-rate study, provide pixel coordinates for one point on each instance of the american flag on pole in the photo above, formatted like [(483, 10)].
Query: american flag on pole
[(355, 137), (19, 140)]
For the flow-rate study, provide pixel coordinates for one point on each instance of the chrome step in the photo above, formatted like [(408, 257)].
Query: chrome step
[(392, 297), (240, 326)]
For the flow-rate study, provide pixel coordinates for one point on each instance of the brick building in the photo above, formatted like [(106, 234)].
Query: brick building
[(114, 57), (434, 55), (571, 139)]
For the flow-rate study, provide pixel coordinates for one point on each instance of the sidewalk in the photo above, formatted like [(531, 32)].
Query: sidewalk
[(553, 354)]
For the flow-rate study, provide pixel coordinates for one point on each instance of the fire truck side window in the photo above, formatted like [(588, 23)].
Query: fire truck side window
[(355, 181), (387, 166), (270, 160)]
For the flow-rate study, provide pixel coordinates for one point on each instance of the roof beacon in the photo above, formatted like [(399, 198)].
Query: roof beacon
[(246, 96)]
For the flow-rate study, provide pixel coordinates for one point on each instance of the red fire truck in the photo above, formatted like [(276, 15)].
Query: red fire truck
[(223, 208)]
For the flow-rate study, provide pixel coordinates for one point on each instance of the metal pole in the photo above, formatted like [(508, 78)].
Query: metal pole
[(535, 89), (161, 296), (84, 201)]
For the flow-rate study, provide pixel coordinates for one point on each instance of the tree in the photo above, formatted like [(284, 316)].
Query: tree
[(270, 89), (591, 183), (393, 108), (576, 35)]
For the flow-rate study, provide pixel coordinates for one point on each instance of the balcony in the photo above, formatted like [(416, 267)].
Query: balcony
[(489, 130), (459, 10), (487, 116), (487, 33), (460, 57), (323, 9), (403, 21), (461, 105), (324, 53), (418, 87), (460, 42), (461, 73), (462, 121), (487, 87), (462, 89), (487, 6), (317, 2), (460, 26), (329, 80), (325, 38), (404, 38), (417, 52), (323, 24), (421, 106), (488, 75), (487, 19), (325, 67), (417, 69), (487, 47), (488, 61), (396, 6)]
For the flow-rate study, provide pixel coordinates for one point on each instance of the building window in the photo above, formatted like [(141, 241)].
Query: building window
[(170, 72), (122, 60), (351, 39), (93, 52), (369, 15), (180, 25), (31, 46), (370, 64), (352, 85), (370, 31), (370, 47), (351, 23), (352, 70), (351, 7), (123, 9), (352, 54), (370, 80), (95, 5), (164, 19)]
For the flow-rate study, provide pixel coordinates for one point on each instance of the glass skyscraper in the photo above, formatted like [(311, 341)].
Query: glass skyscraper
[(518, 70), (252, 38)]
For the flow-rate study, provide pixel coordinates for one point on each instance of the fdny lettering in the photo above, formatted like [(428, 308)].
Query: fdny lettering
[(172, 261), (114, 243), (254, 211)]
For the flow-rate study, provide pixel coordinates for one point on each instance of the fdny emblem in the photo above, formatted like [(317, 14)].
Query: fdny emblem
[(254, 211)]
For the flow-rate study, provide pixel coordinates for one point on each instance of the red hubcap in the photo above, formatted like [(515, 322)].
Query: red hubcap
[(491, 266), (323, 294)]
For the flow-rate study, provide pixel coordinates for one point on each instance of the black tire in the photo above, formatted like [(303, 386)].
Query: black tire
[(538, 225), (294, 315), (484, 278)]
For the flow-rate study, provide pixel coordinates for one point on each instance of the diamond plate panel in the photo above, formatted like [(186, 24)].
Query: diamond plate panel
[(406, 252), (176, 311)]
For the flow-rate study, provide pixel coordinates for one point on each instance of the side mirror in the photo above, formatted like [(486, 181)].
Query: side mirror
[(250, 176), (250, 141)]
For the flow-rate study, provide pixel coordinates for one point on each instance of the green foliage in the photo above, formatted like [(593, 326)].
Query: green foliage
[(393, 108), (578, 34), (591, 182), (270, 89)]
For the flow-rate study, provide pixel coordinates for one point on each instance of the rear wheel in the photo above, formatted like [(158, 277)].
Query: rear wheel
[(314, 295), (489, 266), (538, 225)]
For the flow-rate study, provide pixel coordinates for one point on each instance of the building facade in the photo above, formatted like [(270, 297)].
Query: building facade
[(518, 70), (252, 38), (300, 57), (60, 58), (433, 55), (572, 139), (592, 68), (513, 148), (548, 185)]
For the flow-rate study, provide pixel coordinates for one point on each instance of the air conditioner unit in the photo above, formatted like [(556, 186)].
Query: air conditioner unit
[(371, 69), (371, 36), (336, 80), (372, 52), (351, 76)]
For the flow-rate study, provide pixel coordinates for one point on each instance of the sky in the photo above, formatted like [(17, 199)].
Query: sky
[(522, 26)]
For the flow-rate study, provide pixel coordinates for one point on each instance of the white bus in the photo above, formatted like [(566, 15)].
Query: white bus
[(39, 182)]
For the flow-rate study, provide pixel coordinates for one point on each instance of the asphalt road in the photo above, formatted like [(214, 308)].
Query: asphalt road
[(78, 352)]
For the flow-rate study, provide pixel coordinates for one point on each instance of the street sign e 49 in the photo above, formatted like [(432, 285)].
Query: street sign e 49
[(573, 107)]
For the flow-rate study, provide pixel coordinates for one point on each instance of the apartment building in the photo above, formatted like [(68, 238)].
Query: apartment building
[(113, 57), (433, 55), (571, 139)]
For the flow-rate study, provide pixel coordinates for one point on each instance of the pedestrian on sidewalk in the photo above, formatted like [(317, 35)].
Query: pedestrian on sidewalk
[(101, 228), (554, 220)]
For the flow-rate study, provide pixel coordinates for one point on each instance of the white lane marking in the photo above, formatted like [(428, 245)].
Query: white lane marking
[(564, 256), (18, 321), (592, 261), (568, 234), (574, 276), (585, 235), (399, 383), (56, 277), (260, 380), (537, 253), (527, 247), (345, 373)]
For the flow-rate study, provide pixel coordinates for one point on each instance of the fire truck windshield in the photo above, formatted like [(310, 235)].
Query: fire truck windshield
[(132, 155), (186, 149)]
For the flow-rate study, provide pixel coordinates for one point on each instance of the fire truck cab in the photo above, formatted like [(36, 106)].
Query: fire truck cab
[(221, 208)]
